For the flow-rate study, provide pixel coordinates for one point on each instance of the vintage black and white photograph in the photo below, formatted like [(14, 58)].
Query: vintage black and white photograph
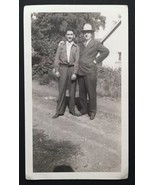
[(76, 91)]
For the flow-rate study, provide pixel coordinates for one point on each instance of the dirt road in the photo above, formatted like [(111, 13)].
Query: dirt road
[(71, 143)]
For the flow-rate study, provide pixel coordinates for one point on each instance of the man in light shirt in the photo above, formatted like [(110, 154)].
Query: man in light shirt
[(66, 67)]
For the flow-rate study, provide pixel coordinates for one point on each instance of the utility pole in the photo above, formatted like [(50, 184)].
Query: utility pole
[(109, 33)]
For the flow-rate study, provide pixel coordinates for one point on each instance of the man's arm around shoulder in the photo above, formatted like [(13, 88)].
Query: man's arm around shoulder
[(77, 56)]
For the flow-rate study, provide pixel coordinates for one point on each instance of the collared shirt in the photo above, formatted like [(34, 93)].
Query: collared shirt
[(68, 47), (86, 43), (61, 56)]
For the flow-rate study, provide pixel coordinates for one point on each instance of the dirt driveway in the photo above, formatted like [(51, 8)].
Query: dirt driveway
[(71, 143)]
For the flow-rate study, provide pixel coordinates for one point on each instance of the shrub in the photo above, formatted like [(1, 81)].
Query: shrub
[(43, 71), (109, 82)]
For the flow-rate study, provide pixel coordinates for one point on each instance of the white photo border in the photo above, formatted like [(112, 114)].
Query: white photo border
[(30, 175)]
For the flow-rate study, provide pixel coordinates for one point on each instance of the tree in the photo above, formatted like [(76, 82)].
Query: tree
[(48, 29)]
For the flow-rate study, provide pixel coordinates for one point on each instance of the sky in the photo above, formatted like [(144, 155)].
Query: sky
[(110, 19), (115, 42)]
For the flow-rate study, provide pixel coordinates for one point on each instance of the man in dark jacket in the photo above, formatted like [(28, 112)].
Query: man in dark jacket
[(88, 70), (66, 67)]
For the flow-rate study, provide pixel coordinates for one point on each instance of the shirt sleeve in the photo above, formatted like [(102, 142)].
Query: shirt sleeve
[(104, 52), (57, 61)]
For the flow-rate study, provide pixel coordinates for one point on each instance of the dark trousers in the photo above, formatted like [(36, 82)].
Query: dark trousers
[(87, 86), (64, 82)]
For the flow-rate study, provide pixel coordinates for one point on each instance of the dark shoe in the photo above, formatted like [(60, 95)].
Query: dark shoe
[(56, 115), (92, 116)]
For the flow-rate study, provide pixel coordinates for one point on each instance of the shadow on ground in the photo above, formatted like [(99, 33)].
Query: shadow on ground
[(63, 168), (51, 155), (77, 103)]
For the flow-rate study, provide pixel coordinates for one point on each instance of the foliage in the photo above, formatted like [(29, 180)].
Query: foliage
[(43, 72), (48, 29), (109, 82)]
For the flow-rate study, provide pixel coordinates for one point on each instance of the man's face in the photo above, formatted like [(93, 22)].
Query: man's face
[(87, 35), (70, 36)]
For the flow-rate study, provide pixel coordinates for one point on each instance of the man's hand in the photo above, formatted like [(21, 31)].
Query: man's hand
[(95, 62), (61, 42), (73, 77), (57, 74)]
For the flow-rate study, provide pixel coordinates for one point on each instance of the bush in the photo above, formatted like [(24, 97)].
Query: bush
[(43, 71), (109, 82), (36, 59)]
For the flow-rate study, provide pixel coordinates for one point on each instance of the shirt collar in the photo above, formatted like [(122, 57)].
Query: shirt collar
[(71, 43), (88, 41)]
